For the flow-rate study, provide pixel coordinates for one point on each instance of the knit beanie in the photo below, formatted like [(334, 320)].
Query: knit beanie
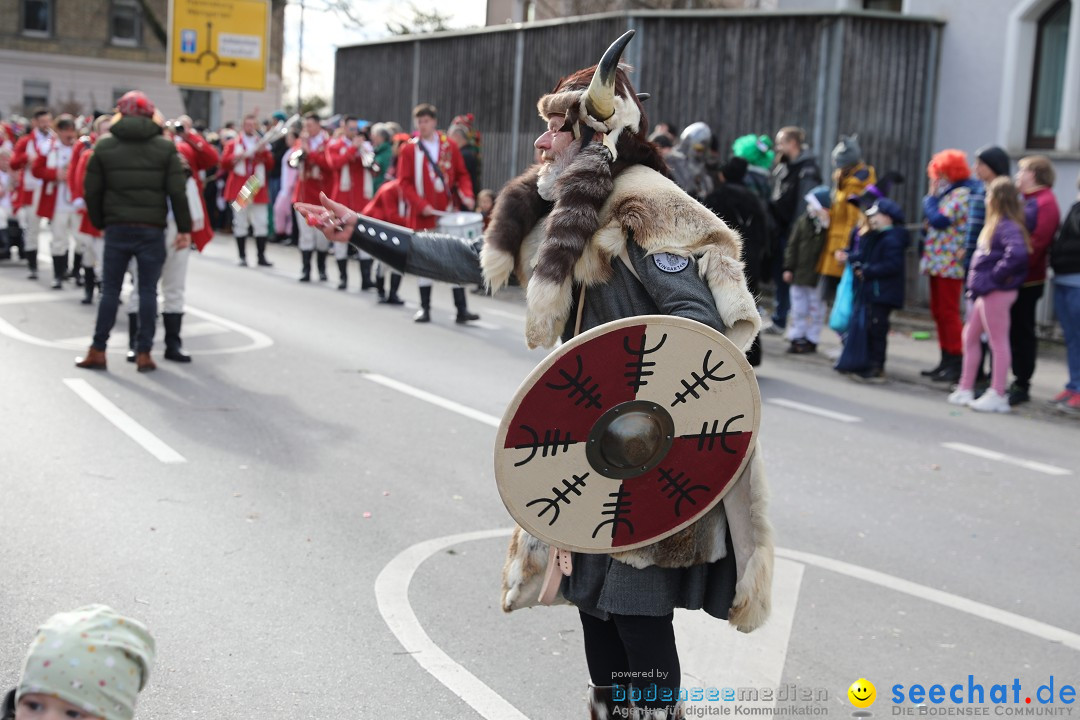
[(135, 103), (995, 158), (754, 149), (847, 152), (734, 169), (93, 658)]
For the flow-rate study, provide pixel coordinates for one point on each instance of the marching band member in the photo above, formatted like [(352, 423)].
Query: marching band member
[(434, 180), (308, 156), (352, 159), (246, 156), (88, 237), (55, 202), (39, 140)]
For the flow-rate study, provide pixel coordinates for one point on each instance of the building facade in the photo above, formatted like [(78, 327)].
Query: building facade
[(80, 57)]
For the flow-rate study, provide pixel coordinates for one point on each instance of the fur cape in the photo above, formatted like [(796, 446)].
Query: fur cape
[(653, 211)]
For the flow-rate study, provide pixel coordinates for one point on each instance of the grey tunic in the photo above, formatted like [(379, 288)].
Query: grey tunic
[(599, 584)]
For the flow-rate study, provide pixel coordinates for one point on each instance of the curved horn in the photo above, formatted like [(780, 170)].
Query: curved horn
[(643, 96), (600, 99)]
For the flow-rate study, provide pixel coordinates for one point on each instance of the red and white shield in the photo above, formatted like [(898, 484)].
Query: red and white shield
[(627, 434)]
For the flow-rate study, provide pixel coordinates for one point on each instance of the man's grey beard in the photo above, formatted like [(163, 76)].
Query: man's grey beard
[(551, 170)]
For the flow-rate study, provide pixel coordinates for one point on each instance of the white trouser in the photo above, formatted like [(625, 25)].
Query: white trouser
[(63, 226), (312, 239), (427, 282), (341, 250), (31, 225), (173, 276), (256, 215), (807, 315), (92, 249)]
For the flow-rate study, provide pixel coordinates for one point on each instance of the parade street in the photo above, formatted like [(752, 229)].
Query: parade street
[(306, 515)]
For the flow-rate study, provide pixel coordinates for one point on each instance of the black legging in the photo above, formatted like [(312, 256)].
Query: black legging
[(617, 648), (1022, 339)]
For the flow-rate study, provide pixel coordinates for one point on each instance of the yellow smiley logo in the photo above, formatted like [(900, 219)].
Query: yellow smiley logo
[(862, 693)]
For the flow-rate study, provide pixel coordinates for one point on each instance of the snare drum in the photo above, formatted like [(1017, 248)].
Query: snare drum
[(466, 225)]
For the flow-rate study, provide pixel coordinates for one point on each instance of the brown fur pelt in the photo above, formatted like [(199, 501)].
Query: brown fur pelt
[(518, 209)]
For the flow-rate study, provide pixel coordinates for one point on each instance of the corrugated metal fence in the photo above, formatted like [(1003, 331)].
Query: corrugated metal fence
[(870, 73)]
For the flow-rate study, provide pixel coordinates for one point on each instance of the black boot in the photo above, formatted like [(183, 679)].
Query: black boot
[(934, 370), (320, 264), (365, 274), (305, 274), (463, 314), (31, 264), (260, 247), (133, 334), (343, 274), (392, 297), (423, 315), (951, 366), (380, 287), (173, 345), (241, 250), (59, 264), (753, 355), (88, 286), (76, 271)]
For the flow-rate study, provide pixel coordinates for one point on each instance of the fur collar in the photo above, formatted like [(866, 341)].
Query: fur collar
[(660, 217)]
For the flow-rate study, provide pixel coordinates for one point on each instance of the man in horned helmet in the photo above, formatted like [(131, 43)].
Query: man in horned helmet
[(598, 232)]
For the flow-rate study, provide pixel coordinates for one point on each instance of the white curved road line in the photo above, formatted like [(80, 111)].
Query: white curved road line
[(986, 612), (392, 594), (258, 340), (124, 422)]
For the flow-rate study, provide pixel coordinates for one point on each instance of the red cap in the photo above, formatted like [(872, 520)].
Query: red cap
[(135, 103)]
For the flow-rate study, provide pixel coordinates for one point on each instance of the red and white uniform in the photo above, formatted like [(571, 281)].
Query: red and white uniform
[(352, 184), (390, 205), (242, 160), (55, 201), (88, 238), (314, 176), (424, 186), (27, 150), (200, 156)]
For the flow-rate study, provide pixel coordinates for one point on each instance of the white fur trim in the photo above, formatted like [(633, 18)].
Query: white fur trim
[(548, 307), (497, 266), (746, 506)]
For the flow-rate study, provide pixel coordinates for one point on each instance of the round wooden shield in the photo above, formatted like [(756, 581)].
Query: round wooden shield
[(627, 434)]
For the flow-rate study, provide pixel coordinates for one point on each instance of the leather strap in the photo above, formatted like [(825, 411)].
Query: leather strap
[(560, 563), (580, 310)]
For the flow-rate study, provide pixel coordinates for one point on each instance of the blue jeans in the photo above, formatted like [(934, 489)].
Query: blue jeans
[(147, 246), (1067, 307), (783, 290)]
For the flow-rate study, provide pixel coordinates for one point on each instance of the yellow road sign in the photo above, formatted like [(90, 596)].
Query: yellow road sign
[(220, 44)]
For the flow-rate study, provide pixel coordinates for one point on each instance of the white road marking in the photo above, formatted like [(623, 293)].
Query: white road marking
[(715, 654), (392, 595), (25, 298), (258, 340), (433, 399), (483, 325), (737, 660), (150, 442), (814, 410), (986, 612), (120, 337), (504, 313), (1002, 457)]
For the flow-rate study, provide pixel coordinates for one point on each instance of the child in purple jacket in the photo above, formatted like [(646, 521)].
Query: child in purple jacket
[(997, 270)]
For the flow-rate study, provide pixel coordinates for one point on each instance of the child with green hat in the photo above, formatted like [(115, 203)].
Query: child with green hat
[(88, 664)]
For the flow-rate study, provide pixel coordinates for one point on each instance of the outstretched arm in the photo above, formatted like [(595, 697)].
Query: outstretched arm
[(432, 255)]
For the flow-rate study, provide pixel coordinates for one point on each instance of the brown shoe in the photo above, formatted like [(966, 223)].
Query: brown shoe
[(143, 362), (94, 360)]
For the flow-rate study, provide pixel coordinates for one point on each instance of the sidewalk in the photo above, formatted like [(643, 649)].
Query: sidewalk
[(907, 357)]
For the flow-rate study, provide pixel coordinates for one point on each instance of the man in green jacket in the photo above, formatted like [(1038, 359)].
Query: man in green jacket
[(134, 179)]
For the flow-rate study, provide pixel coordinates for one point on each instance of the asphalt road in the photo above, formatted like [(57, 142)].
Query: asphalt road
[(262, 540)]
